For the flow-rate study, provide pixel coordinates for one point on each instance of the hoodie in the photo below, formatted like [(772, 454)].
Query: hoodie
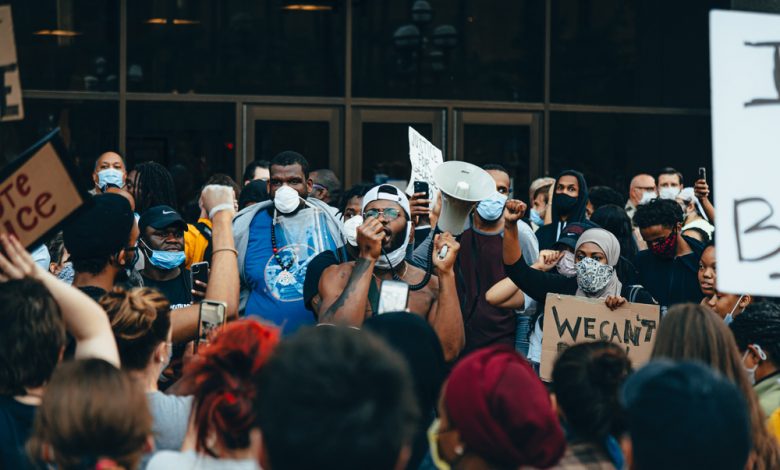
[(548, 234)]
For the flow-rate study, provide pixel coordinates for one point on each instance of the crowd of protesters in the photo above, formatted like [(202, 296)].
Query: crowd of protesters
[(103, 364)]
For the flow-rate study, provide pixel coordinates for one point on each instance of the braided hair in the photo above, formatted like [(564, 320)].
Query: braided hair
[(153, 186), (759, 324)]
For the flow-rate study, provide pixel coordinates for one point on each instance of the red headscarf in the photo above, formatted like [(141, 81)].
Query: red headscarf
[(502, 410)]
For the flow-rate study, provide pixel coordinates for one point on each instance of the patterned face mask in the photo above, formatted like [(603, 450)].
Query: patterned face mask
[(593, 276), (667, 248)]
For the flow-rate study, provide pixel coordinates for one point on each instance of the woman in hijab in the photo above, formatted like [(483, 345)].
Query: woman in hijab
[(569, 202), (416, 341)]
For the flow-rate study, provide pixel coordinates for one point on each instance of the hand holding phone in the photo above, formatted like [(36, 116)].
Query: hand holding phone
[(702, 173), (212, 317), (199, 272)]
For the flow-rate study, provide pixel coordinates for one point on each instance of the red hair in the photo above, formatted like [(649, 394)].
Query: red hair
[(222, 383)]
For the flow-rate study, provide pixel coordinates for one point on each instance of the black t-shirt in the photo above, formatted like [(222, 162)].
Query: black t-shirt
[(311, 284), (16, 424), (94, 293), (177, 290)]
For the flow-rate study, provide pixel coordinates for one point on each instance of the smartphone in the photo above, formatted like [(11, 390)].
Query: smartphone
[(212, 317), (199, 272), (702, 173), (422, 187), (393, 297)]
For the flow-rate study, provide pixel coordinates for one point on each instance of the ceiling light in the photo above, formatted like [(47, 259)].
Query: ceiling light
[(307, 7), (57, 32)]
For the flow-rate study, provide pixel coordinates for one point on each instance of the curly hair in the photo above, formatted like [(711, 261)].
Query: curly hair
[(759, 324), (663, 212), (141, 321), (222, 383)]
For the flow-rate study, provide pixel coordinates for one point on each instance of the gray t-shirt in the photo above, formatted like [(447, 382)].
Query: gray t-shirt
[(171, 415), (167, 459)]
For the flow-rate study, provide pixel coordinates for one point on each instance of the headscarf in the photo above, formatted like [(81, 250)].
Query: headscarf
[(611, 248), (415, 340), (502, 410)]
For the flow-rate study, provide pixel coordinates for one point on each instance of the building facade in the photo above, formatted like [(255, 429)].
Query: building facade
[(609, 87)]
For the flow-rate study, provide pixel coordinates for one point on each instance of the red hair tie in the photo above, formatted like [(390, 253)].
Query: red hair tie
[(231, 399), (106, 464)]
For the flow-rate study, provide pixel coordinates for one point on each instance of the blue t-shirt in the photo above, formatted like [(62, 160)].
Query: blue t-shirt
[(277, 295)]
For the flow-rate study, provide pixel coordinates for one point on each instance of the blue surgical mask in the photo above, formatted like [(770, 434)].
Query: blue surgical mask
[(536, 218), (492, 208), (730, 316), (110, 176), (165, 260)]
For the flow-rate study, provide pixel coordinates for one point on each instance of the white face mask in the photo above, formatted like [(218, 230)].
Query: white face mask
[(751, 373), (647, 196), (350, 227), (566, 265), (396, 256), (286, 199), (669, 192)]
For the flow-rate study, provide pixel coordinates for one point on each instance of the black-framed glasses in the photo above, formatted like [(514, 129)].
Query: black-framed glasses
[(388, 213)]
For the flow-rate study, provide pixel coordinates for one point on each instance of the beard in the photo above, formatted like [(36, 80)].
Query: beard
[(396, 239)]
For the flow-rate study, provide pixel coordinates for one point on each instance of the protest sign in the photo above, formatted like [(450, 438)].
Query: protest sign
[(425, 157), (570, 320), (745, 85), (38, 191), (10, 90)]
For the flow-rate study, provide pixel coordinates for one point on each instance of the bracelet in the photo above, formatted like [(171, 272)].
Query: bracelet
[(232, 250), (220, 207)]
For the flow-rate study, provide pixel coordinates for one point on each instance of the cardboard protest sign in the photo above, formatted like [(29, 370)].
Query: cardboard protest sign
[(570, 320), (10, 90), (425, 157), (745, 84), (38, 191)]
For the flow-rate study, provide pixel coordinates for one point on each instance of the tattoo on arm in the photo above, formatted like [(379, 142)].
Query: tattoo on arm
[(360, 268)]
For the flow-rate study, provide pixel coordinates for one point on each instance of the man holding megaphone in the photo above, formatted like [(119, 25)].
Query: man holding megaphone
[(351, 293)]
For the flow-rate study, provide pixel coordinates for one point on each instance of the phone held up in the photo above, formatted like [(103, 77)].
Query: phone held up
[(702, 173), (199, 272), (422, 187), (212, 317), (393, 297)]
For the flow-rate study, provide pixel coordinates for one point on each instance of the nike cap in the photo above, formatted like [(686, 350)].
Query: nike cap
[(160, 217)]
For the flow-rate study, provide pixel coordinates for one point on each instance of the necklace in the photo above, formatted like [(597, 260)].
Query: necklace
[(285, 277)]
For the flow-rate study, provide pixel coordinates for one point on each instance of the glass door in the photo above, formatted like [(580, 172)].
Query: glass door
[(510, 139), (314, 132)]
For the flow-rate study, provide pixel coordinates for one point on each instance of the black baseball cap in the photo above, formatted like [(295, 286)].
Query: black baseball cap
[(160, 217), (571, 233), (684, 415), (102, 228)]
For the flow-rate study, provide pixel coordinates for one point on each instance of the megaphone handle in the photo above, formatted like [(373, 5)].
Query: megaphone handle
[(443, 252)]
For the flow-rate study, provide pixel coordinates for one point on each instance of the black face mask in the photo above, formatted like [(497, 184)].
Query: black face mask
[(564, 203)]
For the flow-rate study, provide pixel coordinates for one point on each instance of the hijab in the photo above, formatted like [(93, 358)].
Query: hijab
[(611, 248)]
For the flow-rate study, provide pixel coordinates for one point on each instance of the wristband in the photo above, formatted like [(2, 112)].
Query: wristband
[(220, 207), (232, 250)]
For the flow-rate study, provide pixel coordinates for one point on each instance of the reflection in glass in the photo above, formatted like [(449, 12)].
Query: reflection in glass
[(67, 44), (611, 148), (234, 47), (192, 140), (309, 138), (386, 151), (439, 49), (88, 129), (508, 146)]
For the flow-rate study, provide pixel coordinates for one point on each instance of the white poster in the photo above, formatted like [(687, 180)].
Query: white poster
[(745, 75), (425, 157), (10, 88)]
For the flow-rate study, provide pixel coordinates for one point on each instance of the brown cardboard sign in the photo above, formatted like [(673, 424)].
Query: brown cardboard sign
[(11, 108), (38, 191), (570, 320)]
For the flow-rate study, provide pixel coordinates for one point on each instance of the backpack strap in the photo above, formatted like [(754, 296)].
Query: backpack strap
[(633, 292)]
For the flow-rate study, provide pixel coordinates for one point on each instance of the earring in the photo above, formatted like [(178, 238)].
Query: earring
[(459, 450)]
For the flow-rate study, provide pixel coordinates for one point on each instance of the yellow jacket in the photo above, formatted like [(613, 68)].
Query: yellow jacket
[(195, 243)]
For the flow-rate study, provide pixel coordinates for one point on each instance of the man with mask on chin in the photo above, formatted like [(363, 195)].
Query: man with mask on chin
[(277, 239), (350, 291), (110, 172), (162, 243), (480, 267)]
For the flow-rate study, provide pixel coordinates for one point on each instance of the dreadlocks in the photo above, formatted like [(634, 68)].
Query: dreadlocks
[(153, 186)]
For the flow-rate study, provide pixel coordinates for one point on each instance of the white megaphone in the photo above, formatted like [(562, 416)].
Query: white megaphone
[(462, 186)]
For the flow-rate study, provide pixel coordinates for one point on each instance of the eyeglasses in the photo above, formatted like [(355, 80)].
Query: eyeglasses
[(388, 213)]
